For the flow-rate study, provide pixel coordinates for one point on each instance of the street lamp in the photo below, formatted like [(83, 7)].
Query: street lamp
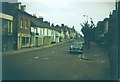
[(86, 16)]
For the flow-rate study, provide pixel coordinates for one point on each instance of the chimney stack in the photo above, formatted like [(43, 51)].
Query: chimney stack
[(47, 23), (23, 7), (34, 15), (62, 25), (40, 18)]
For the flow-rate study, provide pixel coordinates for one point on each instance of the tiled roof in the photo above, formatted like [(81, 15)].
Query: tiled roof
[(36, 23)]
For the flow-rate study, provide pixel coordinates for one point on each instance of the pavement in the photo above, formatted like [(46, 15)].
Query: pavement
[(11, 52), (95, 53)]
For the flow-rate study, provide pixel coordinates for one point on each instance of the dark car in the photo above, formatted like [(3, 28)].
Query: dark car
[(76, 47)]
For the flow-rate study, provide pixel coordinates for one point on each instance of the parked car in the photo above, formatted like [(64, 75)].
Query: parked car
[(77, 47)]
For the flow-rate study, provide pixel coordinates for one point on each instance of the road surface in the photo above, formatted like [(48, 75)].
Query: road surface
[(54, 63)]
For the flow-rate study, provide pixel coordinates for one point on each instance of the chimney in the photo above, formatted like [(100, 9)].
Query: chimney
[(62, 25), (34, 15), (23, 7), (47, 23), (40, 18)]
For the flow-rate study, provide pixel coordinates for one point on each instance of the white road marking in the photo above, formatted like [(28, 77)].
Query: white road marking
[(36, 57), (45, 58), (52, 52), (102, 61), (79, 56)]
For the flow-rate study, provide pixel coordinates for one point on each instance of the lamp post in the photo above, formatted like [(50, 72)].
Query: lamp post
[(86, 16)]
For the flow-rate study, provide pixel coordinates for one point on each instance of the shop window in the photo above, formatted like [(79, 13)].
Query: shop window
[(23, 40), (27, 40)]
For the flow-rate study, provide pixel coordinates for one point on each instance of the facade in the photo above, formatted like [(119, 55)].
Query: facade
[(72, 33), (66, 31), (57, 36), (21, 30), (102, 30), (23, 25), (36, 32), (47, 32), (113, 28), (105, 25), (62, 35), (20, 26), (53, 36), (47, 35), (7, 31)]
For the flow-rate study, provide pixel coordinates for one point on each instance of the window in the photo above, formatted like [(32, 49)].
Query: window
[(10, 27), (23, 40), (26, 24), (5, 23), (7, 26), (21, 23), (27, 40), (40, 31)]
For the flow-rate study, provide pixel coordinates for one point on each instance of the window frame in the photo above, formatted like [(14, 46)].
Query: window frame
[(26, 24), (10, 25), (21, 23)]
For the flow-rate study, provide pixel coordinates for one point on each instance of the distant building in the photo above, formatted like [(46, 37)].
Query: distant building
[(113, 28), (36, 31), (101, 30), (72, 33)]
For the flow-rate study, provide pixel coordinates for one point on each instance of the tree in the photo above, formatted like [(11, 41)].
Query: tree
[(88, 31)]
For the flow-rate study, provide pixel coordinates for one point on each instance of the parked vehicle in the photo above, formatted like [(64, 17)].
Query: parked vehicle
[(77, 46)]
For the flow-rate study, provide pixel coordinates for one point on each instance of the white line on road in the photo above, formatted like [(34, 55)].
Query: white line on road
[(36, 57), (45, 58), (52, 52)]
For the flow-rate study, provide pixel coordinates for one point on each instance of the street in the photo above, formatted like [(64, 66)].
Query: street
[(56, 63)]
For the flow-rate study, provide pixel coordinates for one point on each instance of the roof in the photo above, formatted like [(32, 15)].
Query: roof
[(35, 22)]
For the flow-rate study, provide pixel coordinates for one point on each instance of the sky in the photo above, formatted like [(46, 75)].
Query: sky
[(70, 12)]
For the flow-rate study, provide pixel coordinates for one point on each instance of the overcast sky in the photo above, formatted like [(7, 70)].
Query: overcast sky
[(70, 12)]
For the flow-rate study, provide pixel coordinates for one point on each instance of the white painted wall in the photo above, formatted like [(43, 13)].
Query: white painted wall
[(45, 31), (49, 32)]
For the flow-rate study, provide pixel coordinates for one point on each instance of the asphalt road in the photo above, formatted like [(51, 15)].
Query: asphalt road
[(54, 63)]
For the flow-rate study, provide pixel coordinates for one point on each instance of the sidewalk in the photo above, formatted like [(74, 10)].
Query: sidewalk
[(11, 52), (96, 52)]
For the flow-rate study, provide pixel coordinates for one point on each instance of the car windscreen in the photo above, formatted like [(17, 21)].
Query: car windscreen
[(77, 44)]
